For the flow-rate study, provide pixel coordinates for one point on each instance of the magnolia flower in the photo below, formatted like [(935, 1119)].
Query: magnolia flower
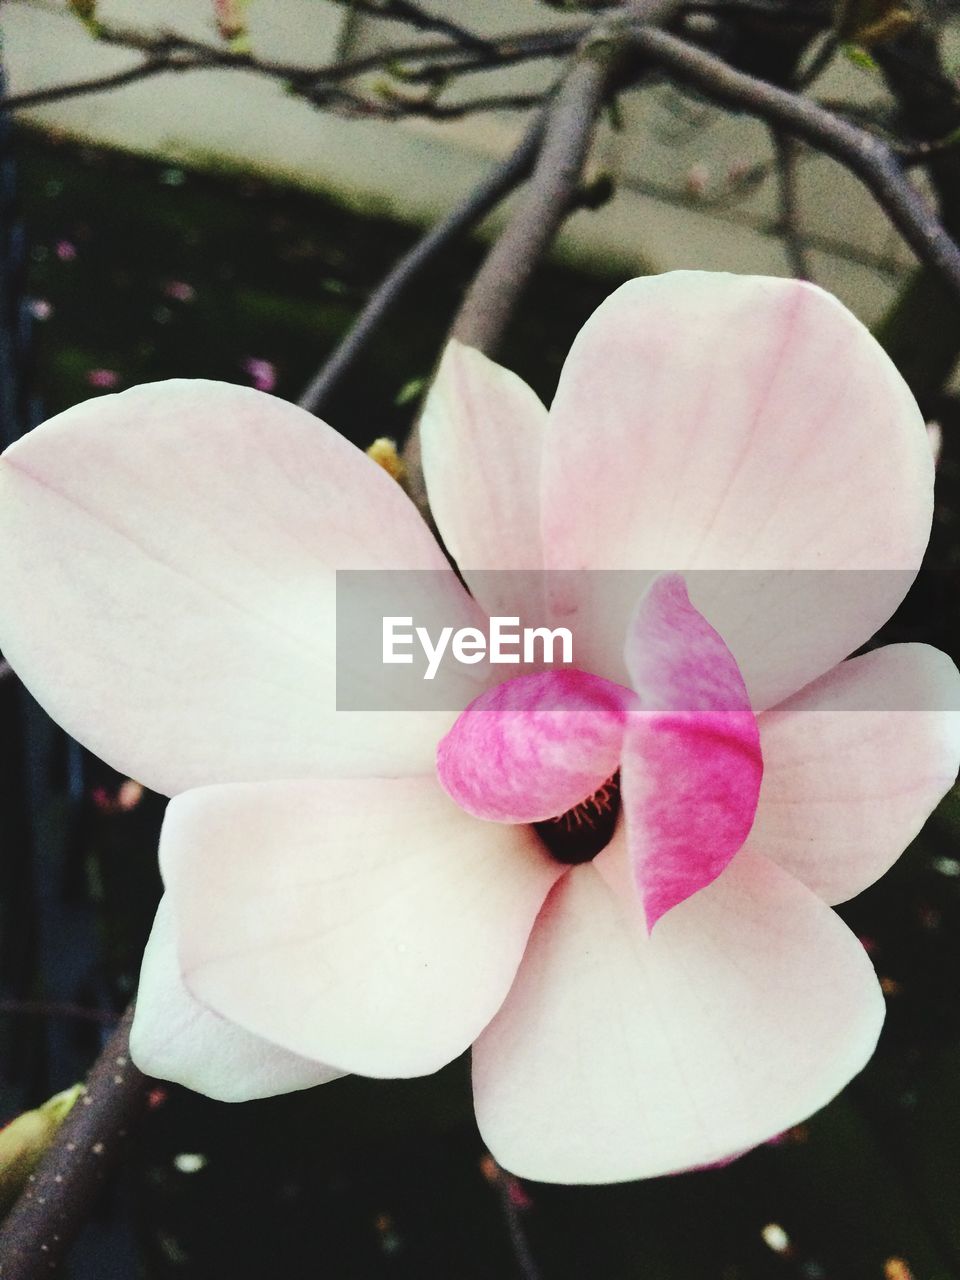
[(614, 881)]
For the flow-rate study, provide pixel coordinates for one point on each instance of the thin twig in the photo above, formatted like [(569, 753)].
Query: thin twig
[(168, 52), (818, 63), (723, 206), (45, 1219), (789, 226), (497, 184), (914, 153), (871, 159), (433, 110), (418, 17), (928, 105), (910, 152), (523, 1255), (79, 88), (58, 1009)]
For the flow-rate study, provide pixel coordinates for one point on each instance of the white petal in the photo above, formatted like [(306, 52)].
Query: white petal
[(618, 1056), (373, 925), (168, 586), (174, 1037), (854, 764), (729, 424)]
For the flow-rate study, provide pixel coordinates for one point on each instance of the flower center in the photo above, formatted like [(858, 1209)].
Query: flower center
[(583, 831)]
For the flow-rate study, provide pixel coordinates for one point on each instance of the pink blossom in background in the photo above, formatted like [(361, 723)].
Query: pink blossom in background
[(103, 378), (65, 250), (698, 179), (230, 19), (127, 797), (179, 290), (262, 374), (40, 308), (375, 891)]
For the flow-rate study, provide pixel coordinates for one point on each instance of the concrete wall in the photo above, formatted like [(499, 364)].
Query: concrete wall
[(672, 161)]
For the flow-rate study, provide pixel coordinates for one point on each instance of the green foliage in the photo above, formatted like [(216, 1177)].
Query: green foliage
[(859, 57)]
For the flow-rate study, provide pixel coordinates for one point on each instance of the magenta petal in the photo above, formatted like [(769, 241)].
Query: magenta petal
[(691, 757), (535, 746)]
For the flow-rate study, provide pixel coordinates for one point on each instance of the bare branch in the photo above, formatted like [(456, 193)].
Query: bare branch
[(57, 1009), (42, 1224), (79, 88), (871, 159), (501, 180), (418, 17), (818, 63), (400, 106), (427, 61), (928, 105), (789, 226), (724, 206), (496, 289), (499, 284), (504, 1185), (920, 152), (507, 51)]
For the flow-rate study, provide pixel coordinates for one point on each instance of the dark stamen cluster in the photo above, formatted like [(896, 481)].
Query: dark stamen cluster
[(583, 831)]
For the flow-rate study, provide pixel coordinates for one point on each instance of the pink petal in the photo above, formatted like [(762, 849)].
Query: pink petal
[(482, 435), (854, 765), (373, 925), (729, 423), (620, 1056), (691, 758), (168, 563), (535, 746), (174, 1037)]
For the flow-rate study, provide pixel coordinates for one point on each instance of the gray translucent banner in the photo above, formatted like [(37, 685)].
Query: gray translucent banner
[(417, 640)]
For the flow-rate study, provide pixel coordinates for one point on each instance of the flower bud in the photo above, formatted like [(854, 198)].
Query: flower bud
[(24, 1140)]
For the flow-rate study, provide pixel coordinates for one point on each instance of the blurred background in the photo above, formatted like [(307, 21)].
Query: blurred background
[(212, 222)]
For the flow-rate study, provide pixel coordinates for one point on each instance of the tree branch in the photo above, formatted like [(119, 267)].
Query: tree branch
[(168, 52), (416, 16), (79, 88), (504, 1185), (498, 285), (787, 161), (43, 1222), (497, 184), (57, 1009), (929, 106), (724, 206), (404, 107), (871, 159)]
